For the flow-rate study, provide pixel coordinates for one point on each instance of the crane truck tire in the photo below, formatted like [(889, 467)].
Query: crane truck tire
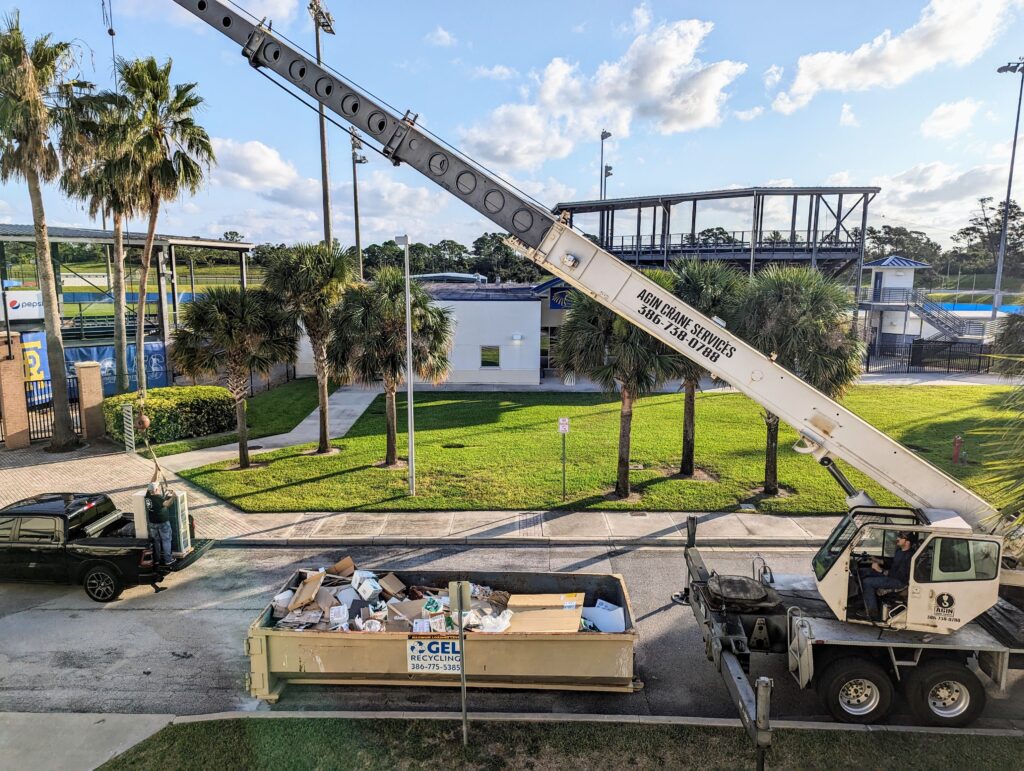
[(945, 693), (855, 690)]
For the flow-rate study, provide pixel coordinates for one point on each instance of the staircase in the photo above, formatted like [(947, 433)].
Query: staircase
[(948, 326)]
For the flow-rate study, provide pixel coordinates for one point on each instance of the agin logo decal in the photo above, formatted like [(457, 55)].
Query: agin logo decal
[(945, 601)]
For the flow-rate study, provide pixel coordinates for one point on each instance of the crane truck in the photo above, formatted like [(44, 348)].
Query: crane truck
[(931, 636)]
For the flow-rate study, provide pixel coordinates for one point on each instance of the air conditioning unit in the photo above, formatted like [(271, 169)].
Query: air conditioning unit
[(181, 534)]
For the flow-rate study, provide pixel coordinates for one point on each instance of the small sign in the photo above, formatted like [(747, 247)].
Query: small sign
[(432, 655), (563, 425)]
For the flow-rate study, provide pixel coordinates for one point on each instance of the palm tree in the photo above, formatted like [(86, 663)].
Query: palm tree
[(714, 288), (236, 331), (1008, 346), (369, 340), (35, 136), (170, 152), (801, 318), (109, 184), (596, 343), (308, 281)]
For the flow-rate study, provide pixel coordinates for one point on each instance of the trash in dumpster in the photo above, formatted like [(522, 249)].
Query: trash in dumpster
[(361, 601)]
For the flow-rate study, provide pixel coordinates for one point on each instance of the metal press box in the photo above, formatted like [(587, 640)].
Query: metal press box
[(587, 661)]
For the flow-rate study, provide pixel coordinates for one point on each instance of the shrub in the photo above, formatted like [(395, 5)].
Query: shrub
[(175, 413)]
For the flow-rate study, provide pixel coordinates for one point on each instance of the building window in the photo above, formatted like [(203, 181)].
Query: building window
[(548, 337), (490, 356)]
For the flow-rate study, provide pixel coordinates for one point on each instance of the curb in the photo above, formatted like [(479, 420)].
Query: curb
[(676, 542), (545, 717)]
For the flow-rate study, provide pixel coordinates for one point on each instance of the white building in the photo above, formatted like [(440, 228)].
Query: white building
[(897, 313), (503, 332)]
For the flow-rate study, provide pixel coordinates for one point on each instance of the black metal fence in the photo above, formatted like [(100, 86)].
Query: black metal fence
[(928, 356), (39, 400)]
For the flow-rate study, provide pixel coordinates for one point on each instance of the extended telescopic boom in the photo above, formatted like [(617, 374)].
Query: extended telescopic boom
[(828, 429)]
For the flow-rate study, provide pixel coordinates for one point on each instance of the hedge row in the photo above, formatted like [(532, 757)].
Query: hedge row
[(175, 413)]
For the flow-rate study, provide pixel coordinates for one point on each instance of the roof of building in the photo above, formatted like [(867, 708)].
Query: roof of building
[(97, 236), (482, 292), (895, 261), (452, 278)]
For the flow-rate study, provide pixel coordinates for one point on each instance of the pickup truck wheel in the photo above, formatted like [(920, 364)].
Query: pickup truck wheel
[(946, 693), (102, 584), (856, 690)]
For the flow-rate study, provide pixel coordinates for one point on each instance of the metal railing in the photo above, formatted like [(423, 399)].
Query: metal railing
[(928, 356), (730, 241), (931, 311), (39, 401)]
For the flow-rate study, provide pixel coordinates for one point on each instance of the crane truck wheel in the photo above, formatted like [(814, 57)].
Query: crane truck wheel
[(855, 690), (945, 693)]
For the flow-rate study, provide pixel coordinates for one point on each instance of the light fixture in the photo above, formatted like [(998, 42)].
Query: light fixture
[(517, 338)]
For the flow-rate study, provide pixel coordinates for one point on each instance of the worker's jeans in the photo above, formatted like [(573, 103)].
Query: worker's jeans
[(873, 584), (160, 532)]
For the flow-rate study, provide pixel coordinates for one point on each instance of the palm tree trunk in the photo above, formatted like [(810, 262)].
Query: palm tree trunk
[(140, 325), (771, 454), (63, 438), (320, 365), (121, 378), (622, 489), (391, 414), (689, 409), (237, 386)]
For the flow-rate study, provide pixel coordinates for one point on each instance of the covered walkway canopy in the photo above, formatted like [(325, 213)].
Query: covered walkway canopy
[(813, 224), (164, 265)]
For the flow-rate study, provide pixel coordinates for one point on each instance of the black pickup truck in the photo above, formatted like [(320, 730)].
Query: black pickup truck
[(74, 538)]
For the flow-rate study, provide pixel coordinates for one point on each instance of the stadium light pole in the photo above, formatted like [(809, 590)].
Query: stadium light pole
[(404, 241), (322, 20), (356, 160), (604, 135), (997, 295)]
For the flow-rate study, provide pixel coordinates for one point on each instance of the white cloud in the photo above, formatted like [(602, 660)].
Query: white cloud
[(497, 72), (847, 118), (658, 79), (750, 114), (251, 166), (950, 119), (440, 37), (772, 77), (640, 20), (579, 29), (948, 31)]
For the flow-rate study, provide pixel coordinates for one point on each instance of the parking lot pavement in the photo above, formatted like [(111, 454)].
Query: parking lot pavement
[(181, 651)]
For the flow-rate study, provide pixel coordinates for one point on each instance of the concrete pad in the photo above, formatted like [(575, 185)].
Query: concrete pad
[(418, 524), (817, 526), (71, 740), (769, 527), (485, 524), (350, 525), (641, 524), (575, 524)]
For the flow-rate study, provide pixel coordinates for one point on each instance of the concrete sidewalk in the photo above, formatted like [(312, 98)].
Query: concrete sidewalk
[(344, 408), (514, 528), (71, 741)]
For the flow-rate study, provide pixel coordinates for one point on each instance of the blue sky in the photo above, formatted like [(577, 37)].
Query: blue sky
[(698, 95)]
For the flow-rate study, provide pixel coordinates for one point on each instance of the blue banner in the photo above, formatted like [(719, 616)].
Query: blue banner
[(38, 368)]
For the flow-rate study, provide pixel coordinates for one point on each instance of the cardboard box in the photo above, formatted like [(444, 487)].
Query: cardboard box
[(343, 567), (606, 617), (306, 592), (326, 600), (409, 611), (369, 589), (546, 620), (569, 601), (391, 585)]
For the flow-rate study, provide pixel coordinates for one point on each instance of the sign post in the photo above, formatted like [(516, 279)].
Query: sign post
[(563, 429), (459, 596)]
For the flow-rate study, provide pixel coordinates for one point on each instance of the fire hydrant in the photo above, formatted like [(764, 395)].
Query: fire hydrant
[(958, 442)]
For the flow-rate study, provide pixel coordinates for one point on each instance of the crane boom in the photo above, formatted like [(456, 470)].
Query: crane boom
[(828, 429)]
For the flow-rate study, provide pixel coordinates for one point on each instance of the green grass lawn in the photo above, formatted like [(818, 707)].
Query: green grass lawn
[(272, 412), (394, 744), (503, 451)]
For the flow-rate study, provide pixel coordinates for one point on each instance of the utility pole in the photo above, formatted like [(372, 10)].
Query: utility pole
[(997, 295), (601, 184), (409, 372), (356, 160), (322, 20)]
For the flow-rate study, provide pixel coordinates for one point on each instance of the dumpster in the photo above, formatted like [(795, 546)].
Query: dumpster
[(586, 661)]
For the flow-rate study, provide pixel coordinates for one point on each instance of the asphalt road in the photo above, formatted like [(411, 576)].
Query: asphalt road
[(181, 652)]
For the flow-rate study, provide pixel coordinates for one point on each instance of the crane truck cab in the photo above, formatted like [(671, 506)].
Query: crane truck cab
[(954, 572)]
